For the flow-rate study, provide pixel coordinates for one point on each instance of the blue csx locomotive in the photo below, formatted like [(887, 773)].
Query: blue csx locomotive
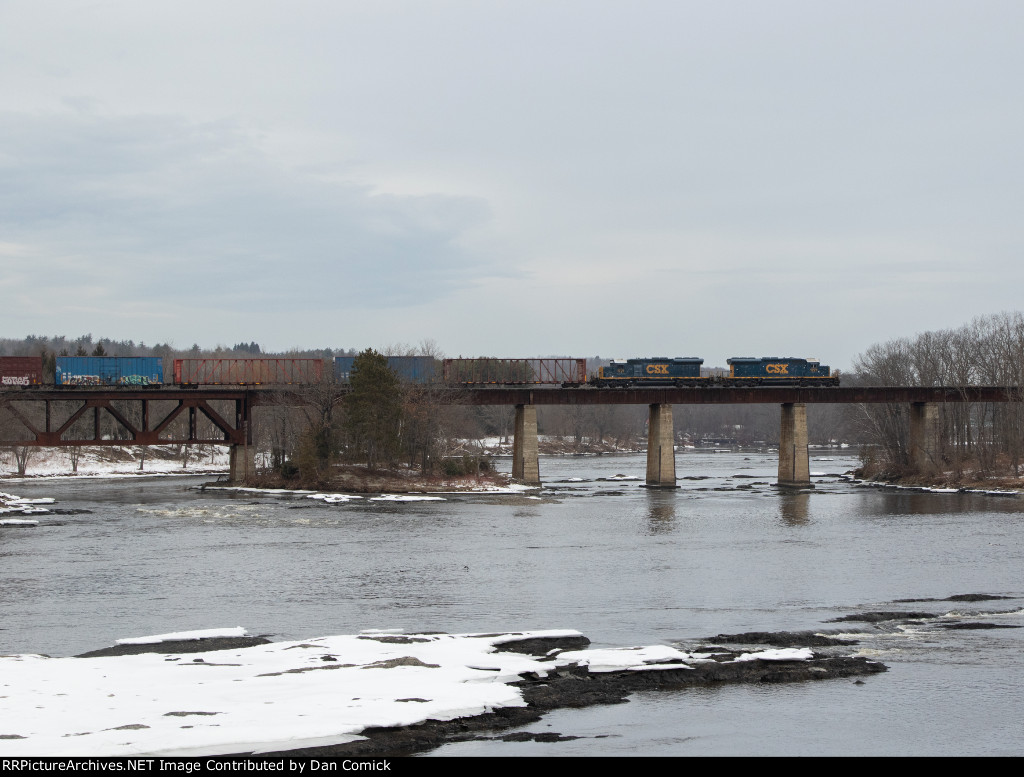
[(680, 371), (743, 371)]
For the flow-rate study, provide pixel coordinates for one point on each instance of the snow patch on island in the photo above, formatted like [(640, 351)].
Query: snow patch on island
[(237, 631), (281, 696)]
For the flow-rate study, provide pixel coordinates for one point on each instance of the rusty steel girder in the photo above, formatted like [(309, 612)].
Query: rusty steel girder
[(145, 427)]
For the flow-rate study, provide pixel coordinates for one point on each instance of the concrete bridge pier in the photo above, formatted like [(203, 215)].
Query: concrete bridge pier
[(924, 437), (525, 459), (661, 454), (241, 463), (794, 462)]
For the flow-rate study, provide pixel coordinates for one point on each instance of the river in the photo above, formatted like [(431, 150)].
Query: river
[(724, 553)]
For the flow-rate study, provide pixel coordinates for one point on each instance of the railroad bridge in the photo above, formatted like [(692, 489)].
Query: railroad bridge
[(794, 460), (37, 422)]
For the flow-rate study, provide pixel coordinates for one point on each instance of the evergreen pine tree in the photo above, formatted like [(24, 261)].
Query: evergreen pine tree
[(373, 409)]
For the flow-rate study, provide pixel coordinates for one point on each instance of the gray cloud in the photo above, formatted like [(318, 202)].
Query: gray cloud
[(145, 205)]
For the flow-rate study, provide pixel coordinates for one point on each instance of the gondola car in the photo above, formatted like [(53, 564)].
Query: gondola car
[(778, 371), (656, 371)]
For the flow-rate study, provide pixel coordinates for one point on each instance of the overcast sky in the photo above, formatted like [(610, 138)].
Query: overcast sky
[(520, 178)]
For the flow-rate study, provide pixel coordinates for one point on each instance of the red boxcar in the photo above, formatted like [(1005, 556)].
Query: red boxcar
[(242, 372), (21, 371)]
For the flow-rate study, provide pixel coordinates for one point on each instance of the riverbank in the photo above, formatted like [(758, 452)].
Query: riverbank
[(115, 461), (944, 483)]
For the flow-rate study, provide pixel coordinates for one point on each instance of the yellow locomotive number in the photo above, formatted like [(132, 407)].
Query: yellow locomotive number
[(657, 369), (777, 369)]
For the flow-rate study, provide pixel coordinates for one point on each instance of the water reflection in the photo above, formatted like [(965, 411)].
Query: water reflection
[(793, 508), (661, 510), (886, 502)]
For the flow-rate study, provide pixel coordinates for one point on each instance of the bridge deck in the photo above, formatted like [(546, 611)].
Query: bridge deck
[(583, 395), (734, 396)]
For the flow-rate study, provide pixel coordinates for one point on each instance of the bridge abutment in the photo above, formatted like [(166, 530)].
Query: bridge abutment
[(794, 462), (525, 458), (661, 453), (924, 437)]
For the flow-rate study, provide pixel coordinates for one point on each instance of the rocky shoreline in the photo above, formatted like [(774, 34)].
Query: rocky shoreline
[(577, 686)]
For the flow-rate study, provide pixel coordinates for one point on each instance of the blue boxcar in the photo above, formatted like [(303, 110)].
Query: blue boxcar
[(109, 371), (411, 369), (779, 369), (623, 372)]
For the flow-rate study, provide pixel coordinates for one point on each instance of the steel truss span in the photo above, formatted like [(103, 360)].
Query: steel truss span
[(73, 418)]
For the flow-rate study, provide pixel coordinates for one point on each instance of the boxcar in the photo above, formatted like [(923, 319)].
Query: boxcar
[(411, 369), (243, 372), (21, 371), (109, 371), (655, 371), (779, 370)]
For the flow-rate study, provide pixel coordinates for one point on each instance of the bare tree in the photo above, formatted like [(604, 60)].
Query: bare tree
[(985, 438), (23, 454)]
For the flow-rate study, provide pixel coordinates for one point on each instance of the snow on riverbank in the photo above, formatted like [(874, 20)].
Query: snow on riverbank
[(279, 696), (935, 489), (111, 461)]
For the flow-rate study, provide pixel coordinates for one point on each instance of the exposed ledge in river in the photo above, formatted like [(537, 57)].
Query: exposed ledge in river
[(577, 685), (360, 480)]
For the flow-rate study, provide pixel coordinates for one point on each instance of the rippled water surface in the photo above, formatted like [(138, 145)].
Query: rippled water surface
[(625, 565)]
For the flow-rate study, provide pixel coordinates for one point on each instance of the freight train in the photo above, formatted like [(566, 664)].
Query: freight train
[(148, 372)]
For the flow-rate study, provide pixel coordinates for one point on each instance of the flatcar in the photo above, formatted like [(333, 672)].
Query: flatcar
[(657, 371), (778, 371)]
